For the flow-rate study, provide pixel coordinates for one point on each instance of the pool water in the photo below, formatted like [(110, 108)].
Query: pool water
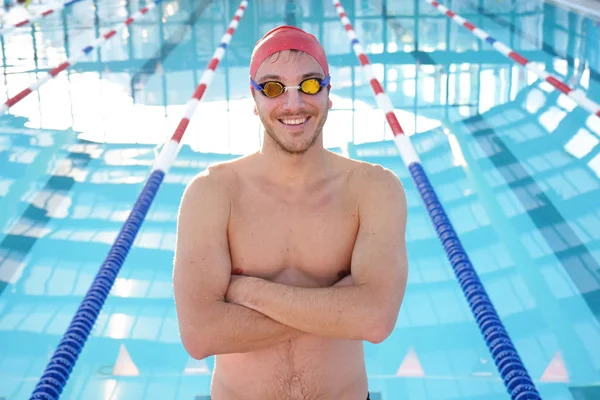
[(515, 163)]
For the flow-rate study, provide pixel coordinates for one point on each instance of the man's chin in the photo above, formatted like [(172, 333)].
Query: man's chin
[(296, 148), (293, 142)]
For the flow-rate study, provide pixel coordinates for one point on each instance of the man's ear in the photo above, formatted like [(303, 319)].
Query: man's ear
[(255, 110)]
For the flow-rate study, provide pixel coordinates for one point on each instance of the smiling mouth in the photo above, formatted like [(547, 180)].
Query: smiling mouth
[(294, 122)]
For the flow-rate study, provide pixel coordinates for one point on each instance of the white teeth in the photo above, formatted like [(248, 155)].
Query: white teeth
[(293, 121)]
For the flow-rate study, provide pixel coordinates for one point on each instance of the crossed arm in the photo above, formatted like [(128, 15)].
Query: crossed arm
[(220, 314)]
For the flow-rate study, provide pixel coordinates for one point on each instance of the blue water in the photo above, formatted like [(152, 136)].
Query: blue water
[(515, 163)]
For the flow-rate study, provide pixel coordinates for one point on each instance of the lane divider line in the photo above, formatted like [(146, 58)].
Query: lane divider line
[(577, 95), (62, 362), (75, 59), (34, 18), (508, 362)]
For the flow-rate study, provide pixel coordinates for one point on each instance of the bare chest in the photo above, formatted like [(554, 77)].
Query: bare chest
[(298, 241)]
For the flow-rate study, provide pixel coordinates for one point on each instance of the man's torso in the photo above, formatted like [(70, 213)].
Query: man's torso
[(299, 238)]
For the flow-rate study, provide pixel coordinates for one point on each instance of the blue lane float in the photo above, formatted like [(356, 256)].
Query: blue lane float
[(62, 362), (58, 369), (514, 374)]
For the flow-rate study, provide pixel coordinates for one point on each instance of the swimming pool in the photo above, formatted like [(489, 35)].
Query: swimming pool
[(515, 163)]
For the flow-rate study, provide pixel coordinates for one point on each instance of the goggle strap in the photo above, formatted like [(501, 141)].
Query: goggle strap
[(255, 85)]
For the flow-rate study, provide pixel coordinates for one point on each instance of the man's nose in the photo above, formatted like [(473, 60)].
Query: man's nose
[(293, 99)]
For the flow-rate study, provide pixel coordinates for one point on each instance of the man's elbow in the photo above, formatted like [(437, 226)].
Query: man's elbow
[(198, 352), (196, 346), (382, 326), (378, 334)]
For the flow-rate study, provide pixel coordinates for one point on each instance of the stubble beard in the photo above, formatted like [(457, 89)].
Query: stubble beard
[(305, 146)]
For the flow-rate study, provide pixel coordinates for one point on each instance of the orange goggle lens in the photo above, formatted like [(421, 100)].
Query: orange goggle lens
[(308, 86)]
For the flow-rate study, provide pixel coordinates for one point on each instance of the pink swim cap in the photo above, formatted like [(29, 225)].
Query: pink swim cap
[(287, 37)]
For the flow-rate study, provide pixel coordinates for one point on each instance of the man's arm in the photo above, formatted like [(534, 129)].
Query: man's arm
[(202, 272), (367, 309)]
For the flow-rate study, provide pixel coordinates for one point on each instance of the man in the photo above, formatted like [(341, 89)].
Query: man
[(289, 258)]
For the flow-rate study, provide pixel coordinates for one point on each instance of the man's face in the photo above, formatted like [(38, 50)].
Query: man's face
[(293, 120)]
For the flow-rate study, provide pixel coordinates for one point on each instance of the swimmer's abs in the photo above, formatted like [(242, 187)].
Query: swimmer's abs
[(323, 370), (287, 385), (368, 397), (289, 390)]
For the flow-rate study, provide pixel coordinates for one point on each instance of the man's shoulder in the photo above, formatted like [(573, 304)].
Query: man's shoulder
[(376, 187), (223, 173), (366, 175), (215, 179)]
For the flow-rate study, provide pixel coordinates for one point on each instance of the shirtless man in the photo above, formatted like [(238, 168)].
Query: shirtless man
[(291, 257)]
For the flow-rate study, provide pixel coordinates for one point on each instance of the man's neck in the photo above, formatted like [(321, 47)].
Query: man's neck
[(297, 170)]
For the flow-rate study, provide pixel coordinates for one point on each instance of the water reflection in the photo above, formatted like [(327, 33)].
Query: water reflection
[(515, 163), (136, 82)]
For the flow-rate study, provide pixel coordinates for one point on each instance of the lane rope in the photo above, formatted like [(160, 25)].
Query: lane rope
[(508, 362), (34, 18), (576, 94), (62, 362), (75, 59)]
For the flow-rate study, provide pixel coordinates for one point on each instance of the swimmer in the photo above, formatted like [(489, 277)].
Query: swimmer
[(288, 259)]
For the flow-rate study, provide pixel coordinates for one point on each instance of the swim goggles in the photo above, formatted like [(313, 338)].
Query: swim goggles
[(273, 89)]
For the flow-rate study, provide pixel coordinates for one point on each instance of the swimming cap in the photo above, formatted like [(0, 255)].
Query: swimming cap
[(287, 37)]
